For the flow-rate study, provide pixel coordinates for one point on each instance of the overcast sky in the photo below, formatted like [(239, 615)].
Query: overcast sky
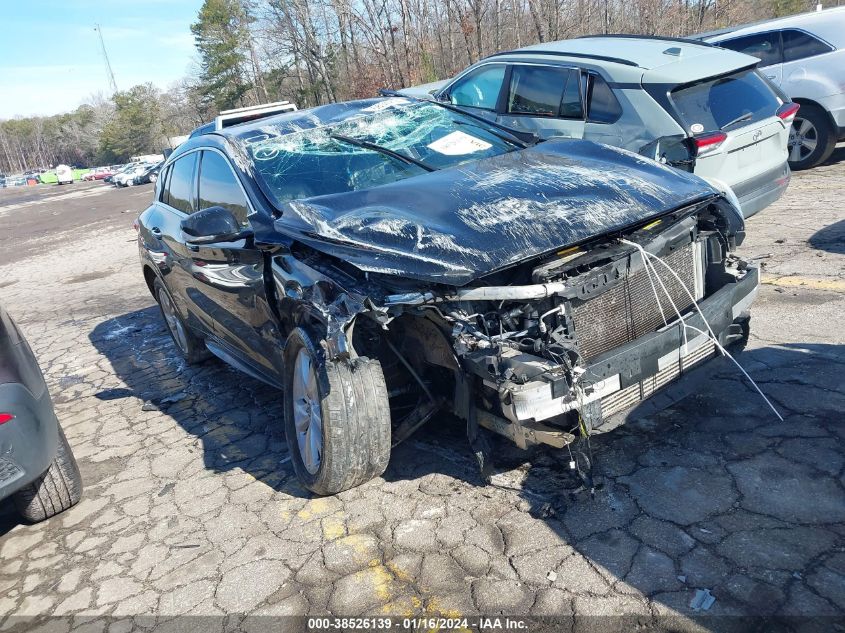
[(50, 57)]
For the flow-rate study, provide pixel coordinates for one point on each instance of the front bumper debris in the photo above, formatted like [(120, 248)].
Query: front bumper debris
[(631, 372)]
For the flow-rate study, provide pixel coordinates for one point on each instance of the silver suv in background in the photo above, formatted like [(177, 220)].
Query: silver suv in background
[(689, 104), (805, 56)]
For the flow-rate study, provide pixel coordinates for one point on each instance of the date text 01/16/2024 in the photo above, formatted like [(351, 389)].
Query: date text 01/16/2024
[(421, 623)]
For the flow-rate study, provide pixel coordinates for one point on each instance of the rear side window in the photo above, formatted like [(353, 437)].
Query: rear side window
[(800, 45), (544, 91), (480, 88), (763, 46), (161, 184), (571, 107), (180, 184), (602, 105), (737, 99), (219, 187)]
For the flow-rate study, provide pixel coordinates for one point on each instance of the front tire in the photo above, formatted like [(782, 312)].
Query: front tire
[(191, 346), (59, 488), (337, 417), (811, 138)]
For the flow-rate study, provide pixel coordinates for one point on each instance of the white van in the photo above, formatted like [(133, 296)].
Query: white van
[(64, 174)]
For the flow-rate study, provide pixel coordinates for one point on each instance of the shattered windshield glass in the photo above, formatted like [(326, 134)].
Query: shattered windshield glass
[(317, 161)]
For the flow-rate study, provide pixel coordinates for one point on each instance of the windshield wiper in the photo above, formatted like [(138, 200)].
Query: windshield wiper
[(382, 150), (507, 134), (739, 119)]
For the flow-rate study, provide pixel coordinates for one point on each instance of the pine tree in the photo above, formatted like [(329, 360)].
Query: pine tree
[(221, 34), (136, 127)]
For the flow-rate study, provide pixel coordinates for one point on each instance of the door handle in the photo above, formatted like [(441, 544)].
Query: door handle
[(193, 247)]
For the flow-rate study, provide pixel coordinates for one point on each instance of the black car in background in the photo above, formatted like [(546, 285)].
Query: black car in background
[(148, 176), (383, 260), (37, 467)]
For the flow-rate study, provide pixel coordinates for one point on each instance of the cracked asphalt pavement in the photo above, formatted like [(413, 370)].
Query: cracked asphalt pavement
[(191, 505)]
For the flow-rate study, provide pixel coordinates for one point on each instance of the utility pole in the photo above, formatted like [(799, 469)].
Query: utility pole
[(106, 58)]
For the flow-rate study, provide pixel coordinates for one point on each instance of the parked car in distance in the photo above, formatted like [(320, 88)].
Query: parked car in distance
[(98, 173), (805, 56), (149, 175), (120, 174), (37, 467), (34, 173), (114, 169), (382, 260), (134, 176), (126, 176), (64, 174), (691, 105)]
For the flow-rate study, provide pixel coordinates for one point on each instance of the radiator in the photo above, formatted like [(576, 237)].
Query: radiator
[(628, 310)]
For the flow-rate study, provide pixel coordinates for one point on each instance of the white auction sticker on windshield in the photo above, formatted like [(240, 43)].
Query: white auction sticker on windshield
[(457, 143)]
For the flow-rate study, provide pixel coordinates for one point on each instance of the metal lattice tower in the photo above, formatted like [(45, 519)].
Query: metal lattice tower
[(106, 58)]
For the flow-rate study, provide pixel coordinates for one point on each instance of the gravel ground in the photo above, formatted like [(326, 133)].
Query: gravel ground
[(191, 507)]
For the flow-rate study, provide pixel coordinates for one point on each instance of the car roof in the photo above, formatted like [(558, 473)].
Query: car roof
[(286, 123), (312, 117), (829, 24), (650, 59)]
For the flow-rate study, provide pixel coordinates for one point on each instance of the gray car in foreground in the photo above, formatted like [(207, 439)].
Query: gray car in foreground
[(805, 56), (689, 104), (37, 467)]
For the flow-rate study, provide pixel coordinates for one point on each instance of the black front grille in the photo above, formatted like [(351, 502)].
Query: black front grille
[(628, 310)]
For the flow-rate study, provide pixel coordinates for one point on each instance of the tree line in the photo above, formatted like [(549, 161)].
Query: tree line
[(102, 132), (318, 51)]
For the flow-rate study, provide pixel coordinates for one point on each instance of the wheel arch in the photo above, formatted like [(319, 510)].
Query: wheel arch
[(150, 277), (804, 101)]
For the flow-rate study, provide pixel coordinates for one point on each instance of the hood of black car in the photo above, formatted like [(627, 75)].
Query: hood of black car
[(455, 225)]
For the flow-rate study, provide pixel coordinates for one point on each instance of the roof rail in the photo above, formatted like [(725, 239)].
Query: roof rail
[(701, 37), (528, 51), (205, 128), (227, 118), (632, 36)]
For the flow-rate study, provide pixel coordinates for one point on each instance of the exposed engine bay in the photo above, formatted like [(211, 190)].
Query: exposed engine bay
[(554, 347)]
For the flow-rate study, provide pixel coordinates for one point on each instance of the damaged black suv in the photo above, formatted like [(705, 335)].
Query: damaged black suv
[(383, 260)]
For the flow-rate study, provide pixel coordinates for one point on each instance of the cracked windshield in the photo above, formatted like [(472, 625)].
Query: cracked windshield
[(403, 139)]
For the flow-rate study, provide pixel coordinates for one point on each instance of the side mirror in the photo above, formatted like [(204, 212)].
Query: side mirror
[(214, 224)]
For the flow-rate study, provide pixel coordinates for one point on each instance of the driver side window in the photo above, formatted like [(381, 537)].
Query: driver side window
[(219, 187), (479, 88), (180, 183)]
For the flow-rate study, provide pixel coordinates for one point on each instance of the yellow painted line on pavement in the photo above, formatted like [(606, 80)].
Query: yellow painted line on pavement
[(812, 283)]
